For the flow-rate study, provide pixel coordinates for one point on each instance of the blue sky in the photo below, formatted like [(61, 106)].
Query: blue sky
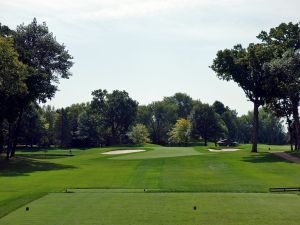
[(151, 49)]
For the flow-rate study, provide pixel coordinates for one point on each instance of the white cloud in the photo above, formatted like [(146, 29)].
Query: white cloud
[(111, 9)]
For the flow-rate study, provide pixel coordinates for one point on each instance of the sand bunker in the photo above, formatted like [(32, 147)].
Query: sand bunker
[(224, 150), (119, 152)]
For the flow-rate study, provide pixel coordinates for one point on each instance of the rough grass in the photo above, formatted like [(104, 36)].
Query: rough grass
[(85, 208), (33, 174)]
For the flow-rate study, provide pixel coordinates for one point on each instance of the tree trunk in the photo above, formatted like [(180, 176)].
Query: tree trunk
[(9, 142), (289, 122), (1, 138), (296, 122), (255, 127), (16, 133)]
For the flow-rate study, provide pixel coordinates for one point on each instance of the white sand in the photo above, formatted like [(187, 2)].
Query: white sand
[(119, 152), (224, 150)]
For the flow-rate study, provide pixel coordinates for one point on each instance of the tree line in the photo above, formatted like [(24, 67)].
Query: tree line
[(115, 118)]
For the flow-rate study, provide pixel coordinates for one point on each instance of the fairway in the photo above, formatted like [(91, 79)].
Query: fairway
[(124, 207)]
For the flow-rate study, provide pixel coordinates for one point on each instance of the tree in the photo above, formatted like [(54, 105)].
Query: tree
[(207, 123), (244, 127), (183, 103), (34, 127), (246, 68), (116, 110), (219, 107), (229, 117), (91, 130), (144, 115), (284, 40), (287, 73), (139, 134), (181, 132), (47, 61), (163, 116), (271, 128), (5, 31), (283, 108), (63, 129), (13, 74), (51, 116)]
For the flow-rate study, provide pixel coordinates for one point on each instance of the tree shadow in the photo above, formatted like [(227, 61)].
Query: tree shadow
[(36, 149), (264, 158), (22, 166), (45, 156)]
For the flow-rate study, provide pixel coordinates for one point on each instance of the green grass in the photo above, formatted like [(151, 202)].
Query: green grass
[(161, 152), (136, 208), (34, 174)]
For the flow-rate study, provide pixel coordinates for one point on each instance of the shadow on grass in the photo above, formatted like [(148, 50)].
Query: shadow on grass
[(22, 166), (264, 158), (45, 156), (47, 149)]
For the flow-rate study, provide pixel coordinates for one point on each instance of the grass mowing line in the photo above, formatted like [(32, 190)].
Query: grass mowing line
[(104, 190)]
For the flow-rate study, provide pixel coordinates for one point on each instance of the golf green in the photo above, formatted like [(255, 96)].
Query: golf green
[(161, 152)]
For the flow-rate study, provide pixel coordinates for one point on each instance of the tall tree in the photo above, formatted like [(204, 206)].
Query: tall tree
[(13, 74), (285, 42), (246, 68), (47, 61)]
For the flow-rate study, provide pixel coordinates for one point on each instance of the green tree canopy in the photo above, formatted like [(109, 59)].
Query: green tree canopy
[(45, 56), (183, 103)]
